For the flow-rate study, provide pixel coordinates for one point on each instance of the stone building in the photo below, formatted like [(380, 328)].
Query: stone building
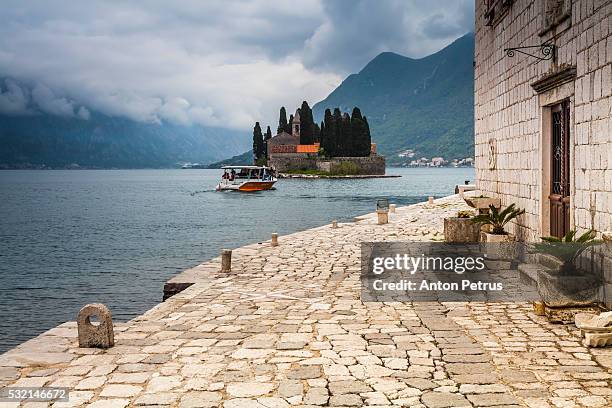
[(285, 143), (285, 153), (543, 87)]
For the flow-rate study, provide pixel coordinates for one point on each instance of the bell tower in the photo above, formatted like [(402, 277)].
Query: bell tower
[(295, 125)]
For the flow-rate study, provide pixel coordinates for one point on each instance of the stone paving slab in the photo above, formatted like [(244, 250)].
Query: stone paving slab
[(287, 329)]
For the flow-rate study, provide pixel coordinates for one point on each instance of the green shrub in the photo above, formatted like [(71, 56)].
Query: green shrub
[(498, 219), (344, 168), (569, 247)]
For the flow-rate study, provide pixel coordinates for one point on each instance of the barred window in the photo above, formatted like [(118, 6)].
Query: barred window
[(554, 12), (495, 10)]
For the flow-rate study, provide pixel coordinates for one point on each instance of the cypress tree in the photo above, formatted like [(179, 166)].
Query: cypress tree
[(359, 137), (316, 136), (267, 137), (347, 137), (338, 134), (268, 134), (368, 137), (257, 143), (322, 136), (328, 134), (282, 120), (306, 124)]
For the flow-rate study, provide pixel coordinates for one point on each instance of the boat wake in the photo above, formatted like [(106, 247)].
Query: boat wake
[(194, 193)]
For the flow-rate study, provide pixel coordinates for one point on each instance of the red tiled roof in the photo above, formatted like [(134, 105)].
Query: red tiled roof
[(313, 148)]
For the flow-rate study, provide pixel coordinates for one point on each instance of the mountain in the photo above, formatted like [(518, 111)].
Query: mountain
[(426, 104), (103, 141), (240, 159)]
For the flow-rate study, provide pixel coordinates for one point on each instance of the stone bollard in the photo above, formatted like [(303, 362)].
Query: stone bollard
[(430, 200), (100, 335), (382, 210), (334, 224), (274, 239), (226, 260), (391, 208), (383, 217)]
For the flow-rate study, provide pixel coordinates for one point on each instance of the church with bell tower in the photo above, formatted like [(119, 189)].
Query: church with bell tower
[(295, 125)]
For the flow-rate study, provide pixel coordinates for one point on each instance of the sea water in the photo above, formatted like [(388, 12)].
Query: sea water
[(73, 237)]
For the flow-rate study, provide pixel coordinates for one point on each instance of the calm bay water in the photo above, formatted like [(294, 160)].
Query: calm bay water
[(68, 238)]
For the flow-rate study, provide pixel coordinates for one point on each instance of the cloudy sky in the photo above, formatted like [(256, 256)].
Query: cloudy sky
[(216, 63)]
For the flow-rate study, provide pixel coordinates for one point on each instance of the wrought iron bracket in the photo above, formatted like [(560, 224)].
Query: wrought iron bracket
[(546, 51)]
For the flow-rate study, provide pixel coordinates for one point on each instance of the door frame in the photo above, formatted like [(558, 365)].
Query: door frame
[(547, 100)]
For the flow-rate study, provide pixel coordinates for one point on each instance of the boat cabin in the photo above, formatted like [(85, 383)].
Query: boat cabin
[(246, 178), (247, 172)]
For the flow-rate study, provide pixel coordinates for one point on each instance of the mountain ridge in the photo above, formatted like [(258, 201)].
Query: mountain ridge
[(425, 104), (102, 141)]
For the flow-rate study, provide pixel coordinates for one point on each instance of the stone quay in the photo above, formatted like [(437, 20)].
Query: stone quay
[(286, 328)]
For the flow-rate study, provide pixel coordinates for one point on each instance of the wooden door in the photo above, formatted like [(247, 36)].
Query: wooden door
[(560, 170)]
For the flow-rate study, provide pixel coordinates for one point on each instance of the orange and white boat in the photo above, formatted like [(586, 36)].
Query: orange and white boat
[(246, 178)]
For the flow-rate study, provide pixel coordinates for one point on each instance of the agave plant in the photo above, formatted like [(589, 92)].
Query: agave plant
[(569, 247), (499, 218)]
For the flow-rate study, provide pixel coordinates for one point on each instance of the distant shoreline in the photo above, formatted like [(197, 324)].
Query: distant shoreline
[(323, 176), (178, 168)]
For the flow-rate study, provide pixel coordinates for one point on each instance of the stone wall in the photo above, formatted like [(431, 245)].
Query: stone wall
[(514, 119), (373, 165)]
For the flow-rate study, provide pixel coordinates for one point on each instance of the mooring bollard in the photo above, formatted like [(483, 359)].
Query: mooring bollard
[(382, 210), (274, 239), (100, 335), (430, 200), (226, 260), (334, 224), (391, 208), (383, 217)]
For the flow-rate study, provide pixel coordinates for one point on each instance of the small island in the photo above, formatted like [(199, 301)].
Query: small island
[(341, 146)]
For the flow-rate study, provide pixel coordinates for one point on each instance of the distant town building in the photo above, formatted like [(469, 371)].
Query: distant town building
[(406, 153), (437, 161), (543, 91)]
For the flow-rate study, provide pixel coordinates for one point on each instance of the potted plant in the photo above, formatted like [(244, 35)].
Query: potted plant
[(461, 229), (497, 220), (567, 279), (482, 203), (565, 251)]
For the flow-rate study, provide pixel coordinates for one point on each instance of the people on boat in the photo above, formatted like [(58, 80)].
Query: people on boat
[(248, 178)]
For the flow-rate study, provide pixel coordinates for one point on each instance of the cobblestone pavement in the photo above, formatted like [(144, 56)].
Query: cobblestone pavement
[(287, 329)]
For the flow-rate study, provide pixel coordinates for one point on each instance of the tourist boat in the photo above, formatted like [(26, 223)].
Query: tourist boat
[(246, 178)]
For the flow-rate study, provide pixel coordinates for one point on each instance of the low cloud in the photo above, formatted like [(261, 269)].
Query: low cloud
[(48, 102), (221, 63), (14, 100), (20, 99)]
